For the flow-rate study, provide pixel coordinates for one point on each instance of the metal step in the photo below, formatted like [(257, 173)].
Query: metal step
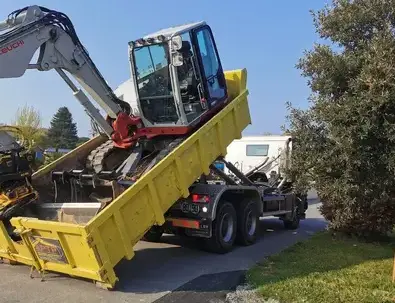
[(276, 213)]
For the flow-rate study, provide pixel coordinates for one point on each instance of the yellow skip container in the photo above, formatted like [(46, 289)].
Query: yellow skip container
[(93, 246)]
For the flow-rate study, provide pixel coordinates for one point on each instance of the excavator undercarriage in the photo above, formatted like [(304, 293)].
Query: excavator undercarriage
[(85, 185)]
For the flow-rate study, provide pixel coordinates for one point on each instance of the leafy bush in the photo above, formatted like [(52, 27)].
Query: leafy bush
[(51, 157), (346, 139)]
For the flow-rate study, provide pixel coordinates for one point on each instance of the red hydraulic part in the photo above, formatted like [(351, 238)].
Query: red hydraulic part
[(128, 129), (123, 126)]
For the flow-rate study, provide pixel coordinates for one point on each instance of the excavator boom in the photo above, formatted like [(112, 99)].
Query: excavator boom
[(32, 28)]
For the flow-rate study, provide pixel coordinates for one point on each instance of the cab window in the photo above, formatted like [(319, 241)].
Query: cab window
[(211, 66), (257, 150)]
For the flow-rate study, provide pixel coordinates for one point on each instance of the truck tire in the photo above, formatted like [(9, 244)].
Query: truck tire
[(223, 230), (247, 223), (293, 223), (154, 234)]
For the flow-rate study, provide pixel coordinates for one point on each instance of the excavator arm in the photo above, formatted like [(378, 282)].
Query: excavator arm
[(34, 27)]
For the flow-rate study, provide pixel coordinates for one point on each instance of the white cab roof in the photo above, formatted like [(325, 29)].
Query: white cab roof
[(172, 31)]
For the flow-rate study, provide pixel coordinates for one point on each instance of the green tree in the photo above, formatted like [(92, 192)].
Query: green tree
[(346, 139), (29, 121), (51, 157), (63, 131)]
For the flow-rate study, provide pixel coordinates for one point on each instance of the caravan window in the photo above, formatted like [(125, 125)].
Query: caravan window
[(261, 150)]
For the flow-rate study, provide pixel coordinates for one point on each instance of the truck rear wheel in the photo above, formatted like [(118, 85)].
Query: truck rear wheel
[(247, 223), (224, 230), (293, 223), (154, 234)]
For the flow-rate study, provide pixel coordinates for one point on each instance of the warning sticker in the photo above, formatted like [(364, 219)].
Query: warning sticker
[(48, 249)]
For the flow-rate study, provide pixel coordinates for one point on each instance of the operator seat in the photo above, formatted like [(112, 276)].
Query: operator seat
[(186, 75)]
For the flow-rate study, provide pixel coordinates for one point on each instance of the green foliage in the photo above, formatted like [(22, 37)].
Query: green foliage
[(29, 120), (327, 269), (346, 139), (50, 157), (63, 131)]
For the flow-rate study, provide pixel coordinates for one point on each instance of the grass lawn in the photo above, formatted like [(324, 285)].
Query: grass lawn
[(323, 269)]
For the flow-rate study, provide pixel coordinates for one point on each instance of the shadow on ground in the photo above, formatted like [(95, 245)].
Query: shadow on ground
[(206, 288), (162, 269)]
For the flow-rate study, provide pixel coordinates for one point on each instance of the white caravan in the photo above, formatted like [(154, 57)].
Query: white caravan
[(251, 151)]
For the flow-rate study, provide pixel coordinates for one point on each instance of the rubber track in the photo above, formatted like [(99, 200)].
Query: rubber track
[(96, 158), (145, 166)]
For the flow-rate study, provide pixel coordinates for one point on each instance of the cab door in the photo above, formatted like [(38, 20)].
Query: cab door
[(213, 79)]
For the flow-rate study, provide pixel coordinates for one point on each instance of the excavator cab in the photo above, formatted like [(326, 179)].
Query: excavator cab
[(178, 77)]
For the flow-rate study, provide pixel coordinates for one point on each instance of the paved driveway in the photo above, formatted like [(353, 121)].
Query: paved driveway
[(157, 269)]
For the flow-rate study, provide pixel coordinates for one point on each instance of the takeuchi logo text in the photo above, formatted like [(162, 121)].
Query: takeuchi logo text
[(11, 47)]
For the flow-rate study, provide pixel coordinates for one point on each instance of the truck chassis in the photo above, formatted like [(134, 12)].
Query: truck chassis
[(227, 211)]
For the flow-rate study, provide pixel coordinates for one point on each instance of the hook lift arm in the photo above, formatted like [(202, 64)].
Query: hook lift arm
[(34, 27)]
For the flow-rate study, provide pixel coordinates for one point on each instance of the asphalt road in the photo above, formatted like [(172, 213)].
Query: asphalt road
[(158, 269)]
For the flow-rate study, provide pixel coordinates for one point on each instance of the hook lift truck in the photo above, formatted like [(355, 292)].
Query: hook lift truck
[(146, 173)]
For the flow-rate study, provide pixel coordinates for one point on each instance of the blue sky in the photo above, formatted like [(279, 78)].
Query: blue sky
[(265, 36)]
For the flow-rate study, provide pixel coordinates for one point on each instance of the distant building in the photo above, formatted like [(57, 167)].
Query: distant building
[(57, 150)]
